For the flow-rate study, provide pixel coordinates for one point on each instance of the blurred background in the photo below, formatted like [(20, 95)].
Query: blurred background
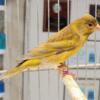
[(26, 23)]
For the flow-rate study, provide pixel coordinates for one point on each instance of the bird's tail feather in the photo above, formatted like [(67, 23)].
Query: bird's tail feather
[(12, 72), (26, 64)]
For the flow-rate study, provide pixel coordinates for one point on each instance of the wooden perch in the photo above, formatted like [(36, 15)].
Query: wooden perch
[(70, 84)]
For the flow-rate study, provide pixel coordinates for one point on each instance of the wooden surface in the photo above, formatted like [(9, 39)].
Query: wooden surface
[(14, 47)]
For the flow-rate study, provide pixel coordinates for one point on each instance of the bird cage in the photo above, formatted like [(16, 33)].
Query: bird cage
[(30, 22)]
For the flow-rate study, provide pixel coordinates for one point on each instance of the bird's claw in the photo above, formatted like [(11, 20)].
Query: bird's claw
[(63, 70)]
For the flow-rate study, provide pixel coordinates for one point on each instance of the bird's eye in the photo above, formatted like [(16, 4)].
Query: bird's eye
[(90, 24)]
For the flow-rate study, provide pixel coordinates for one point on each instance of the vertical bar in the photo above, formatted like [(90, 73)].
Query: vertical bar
[(58, 15), (5, 22), (25, 47), (18, 22), (26, 76), (99, 90), (86, 62), (58, 30), (38, 44), (48, 37), (95, 50), (68, 11), (26, 37), (7, 96), (48, 17), (64, 93), (77, 62), (68, 22)]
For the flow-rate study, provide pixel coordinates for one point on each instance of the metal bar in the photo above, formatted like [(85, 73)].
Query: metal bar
[(68, 22), (38, 25), (48, 37), (58, 30), (99, 91), (95, 49), (89, 66)]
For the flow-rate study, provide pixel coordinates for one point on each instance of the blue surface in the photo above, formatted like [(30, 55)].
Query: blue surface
[(90, 95), (91, 57), (2, 41), (2, 87), (2, 2)]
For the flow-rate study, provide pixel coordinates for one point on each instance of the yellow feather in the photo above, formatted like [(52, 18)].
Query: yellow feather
[(59, 47), (20, 68)]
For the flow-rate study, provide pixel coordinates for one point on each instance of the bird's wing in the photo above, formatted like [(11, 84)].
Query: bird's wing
[(53, 46), (63, 40)]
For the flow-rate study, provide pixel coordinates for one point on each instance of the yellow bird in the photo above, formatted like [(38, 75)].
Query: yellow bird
[(59, 47)]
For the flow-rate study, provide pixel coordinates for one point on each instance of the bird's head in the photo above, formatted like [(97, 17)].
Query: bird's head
[(85, 25)]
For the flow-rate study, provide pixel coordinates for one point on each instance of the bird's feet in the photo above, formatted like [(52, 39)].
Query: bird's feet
[(63, 70)]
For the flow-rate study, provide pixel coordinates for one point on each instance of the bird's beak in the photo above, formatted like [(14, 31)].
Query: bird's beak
[(98, 27)]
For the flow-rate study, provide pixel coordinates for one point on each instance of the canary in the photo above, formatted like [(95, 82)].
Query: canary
[(59, 46)]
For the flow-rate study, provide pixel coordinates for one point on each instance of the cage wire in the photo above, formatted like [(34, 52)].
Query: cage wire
[(48, 37), (61, 93)]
